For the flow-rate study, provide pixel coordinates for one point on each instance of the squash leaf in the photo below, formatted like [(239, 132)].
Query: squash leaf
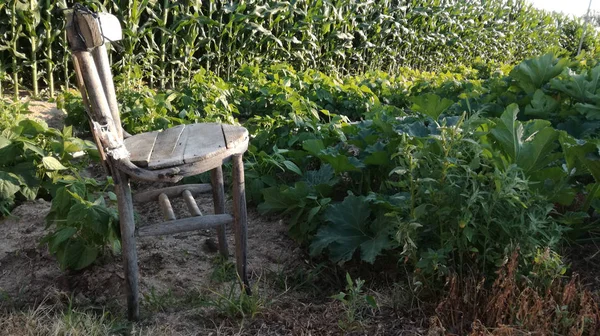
[(530, 145), (541, 106), (532, 74), (582, 87), (430, 104), (350, 229)]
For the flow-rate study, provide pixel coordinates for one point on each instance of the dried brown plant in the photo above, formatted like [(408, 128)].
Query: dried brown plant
[(514, 307)]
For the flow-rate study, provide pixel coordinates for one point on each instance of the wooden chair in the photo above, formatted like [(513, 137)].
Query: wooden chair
[(166, 156)]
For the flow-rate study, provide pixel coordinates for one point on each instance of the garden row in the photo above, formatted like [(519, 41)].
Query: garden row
[(166, 42), (441, 171)]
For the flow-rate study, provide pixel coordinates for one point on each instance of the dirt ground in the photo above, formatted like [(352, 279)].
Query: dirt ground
[(185, 288), (47, 112)]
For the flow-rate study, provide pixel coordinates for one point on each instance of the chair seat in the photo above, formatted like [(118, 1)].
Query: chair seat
[(184, 144)]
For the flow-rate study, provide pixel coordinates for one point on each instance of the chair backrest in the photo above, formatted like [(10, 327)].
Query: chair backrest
[(87, 37)]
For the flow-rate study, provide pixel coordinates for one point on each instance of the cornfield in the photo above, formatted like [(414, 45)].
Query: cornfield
[(166, 42)]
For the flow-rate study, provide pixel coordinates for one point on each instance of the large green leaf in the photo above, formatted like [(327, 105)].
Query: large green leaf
[(32, 127), (350, 229), (581, 156), (4, 142), (313, 146), (529, 145), (533, 73), (59, 237), (76, 254), (541, 106), (9, 185), (284, 199), (430, 104), (590, 111), (582, 87), (97, 217), (51, 163), (340, 162)]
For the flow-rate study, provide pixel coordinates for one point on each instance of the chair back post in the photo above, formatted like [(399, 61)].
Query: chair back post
[(100, 56), (86, 106), (84, 35)]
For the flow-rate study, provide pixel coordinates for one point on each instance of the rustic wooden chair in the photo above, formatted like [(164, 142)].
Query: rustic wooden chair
[(165, 156)]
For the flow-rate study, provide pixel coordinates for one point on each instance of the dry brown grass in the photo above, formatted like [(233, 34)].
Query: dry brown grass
[(513, 307)]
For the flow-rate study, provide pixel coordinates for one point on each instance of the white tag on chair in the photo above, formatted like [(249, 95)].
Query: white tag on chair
[(110, 27)]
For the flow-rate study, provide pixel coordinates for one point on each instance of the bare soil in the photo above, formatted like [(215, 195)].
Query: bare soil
[(47, 112), (185, 288)]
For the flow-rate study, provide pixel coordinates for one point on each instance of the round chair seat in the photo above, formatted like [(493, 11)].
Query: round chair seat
[(186, 144)]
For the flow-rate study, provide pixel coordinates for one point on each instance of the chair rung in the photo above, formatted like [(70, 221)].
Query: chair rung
[(191, 203), (166, 207), (175, 191), (185, 225)]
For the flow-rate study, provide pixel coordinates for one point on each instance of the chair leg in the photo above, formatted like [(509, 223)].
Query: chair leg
[(240, 220), (130, 260), (218, 190)]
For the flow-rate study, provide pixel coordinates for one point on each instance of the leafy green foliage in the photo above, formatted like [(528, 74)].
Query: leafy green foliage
[(354, 302), (84, 224), (38, 161), (430, 104), (531, 145), (534, 73), (542, 106), (440, 169), (351, 229), (33, 156)]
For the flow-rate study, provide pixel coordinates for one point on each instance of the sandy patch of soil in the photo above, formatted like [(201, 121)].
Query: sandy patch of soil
[(47, 112)]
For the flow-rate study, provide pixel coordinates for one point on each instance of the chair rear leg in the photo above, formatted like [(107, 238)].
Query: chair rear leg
[(130, 260), (218, 190), (240, 220)]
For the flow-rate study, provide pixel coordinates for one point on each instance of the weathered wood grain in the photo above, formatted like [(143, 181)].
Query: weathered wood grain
[(234, 135), (166, 207), (171, 192), (205, 141), (167, 151), (218, 184), (191, 203), (240, 220), (86, 107), (140, 148), (185, 225), (102, 63), (127, 224)]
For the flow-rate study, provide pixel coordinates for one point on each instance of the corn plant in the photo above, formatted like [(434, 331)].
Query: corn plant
[(49, 38), (166, 42)]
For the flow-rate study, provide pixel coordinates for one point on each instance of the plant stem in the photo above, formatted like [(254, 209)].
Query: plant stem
[(33, 39), (590, 197), (14, 48), (49, 66)]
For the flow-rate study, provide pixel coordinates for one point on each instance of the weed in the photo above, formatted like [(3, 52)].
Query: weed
[(223, 271), (159, 301), (234, 302), (354, 302)]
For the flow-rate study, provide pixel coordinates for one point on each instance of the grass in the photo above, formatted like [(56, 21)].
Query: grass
[(223, 270), (53, 319)]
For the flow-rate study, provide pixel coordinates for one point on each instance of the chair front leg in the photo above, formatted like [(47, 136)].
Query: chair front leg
[(130, 260), (218, 190), (240, 220)]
